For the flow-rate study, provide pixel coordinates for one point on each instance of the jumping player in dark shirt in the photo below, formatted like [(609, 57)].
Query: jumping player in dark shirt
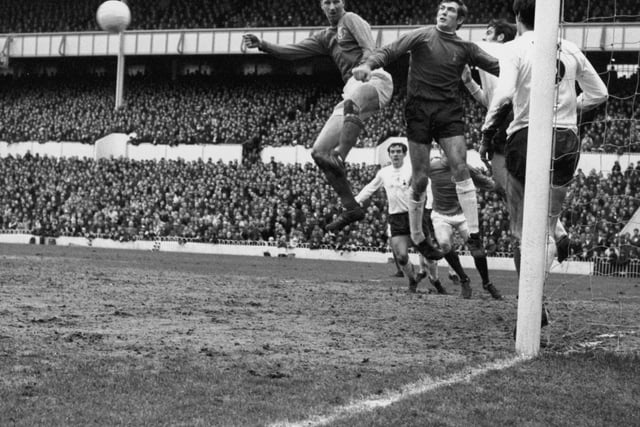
[(347, 41), (434, 108)]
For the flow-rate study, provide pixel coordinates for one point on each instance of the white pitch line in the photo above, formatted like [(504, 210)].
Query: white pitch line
[(419, 387)]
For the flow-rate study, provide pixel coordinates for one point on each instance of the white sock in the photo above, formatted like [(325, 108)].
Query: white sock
[(468, 201), (416, 212)]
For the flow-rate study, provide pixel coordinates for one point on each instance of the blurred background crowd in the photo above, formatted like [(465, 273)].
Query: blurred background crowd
[(252, 201), (265, 202), (264, 110)]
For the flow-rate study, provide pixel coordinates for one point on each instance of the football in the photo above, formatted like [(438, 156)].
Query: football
[(113, 16)]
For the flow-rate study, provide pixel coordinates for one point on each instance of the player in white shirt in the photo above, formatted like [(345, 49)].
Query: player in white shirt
[(396, 180), (514, 85), (498, 33)]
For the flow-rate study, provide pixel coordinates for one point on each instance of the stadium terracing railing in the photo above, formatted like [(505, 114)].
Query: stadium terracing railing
[(589, 36)]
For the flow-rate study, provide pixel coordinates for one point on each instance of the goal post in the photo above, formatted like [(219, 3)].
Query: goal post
[(533, 246)]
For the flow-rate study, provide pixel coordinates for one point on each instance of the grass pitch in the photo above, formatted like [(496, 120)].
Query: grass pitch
[(97, 337)]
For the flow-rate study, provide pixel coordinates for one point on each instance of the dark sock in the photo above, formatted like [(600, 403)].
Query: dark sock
[(516, 258), (395, 260), (483, 269), (343, 189), (454, 261)]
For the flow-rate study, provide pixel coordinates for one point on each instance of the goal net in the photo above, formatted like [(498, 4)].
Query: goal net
[(600, 213)]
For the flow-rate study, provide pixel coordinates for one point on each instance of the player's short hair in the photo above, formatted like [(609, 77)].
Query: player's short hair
[(504, 27), (525, 11), (397, 144), (344, 2), (462, 9)]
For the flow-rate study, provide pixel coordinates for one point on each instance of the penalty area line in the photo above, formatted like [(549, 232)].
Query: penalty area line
[(422, 386)]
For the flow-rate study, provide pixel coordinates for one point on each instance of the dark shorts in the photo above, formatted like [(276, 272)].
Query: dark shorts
[(399, 223), (429, 120), (565, 158)]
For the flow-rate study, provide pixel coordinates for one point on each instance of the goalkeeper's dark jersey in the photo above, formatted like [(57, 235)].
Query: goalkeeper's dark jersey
[(437, 61)]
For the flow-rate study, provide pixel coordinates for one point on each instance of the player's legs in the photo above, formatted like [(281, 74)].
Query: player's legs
[(430, 268), (420, 235), (499, 171), (456, 151), (443, 230), (556, 246), (400, 246), (399, 272), (361, 100), (559, 231), (566, 157), (515, 205), (342, 131), (480, 261), (336, 176), (418, 115), (329, 135), (360, 104), (419, 155), (562, 241)]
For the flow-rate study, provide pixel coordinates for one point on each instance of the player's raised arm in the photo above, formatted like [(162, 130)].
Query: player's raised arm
[(368, 190), (311, 46), (387, 54), (474, 88), (481, 180), (483, 60), (391, 52)]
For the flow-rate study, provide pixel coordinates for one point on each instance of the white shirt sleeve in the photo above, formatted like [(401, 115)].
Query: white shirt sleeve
[(594, 91), (505, 89), (370, 188)]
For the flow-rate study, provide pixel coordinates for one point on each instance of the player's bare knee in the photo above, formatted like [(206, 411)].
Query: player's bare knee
[(419, 183), (352, 113), (315, 156), (460, 171), (403, 259)]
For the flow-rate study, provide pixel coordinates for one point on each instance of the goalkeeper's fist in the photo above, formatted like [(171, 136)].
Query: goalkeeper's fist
[(486, 146)]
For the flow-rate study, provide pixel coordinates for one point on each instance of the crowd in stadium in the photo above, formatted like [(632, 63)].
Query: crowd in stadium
[(262, 202), (29, 16), (252, 201), (273, 111)]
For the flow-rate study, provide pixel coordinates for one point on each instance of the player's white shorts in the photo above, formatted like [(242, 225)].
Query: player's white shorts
[(383, 84), (444, 225)]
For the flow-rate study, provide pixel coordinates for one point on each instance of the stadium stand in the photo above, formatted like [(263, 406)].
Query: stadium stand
[(254, 201), (30, 16), (268, 110)]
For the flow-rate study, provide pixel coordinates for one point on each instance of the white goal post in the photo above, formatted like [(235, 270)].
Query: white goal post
[(537, 180)]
